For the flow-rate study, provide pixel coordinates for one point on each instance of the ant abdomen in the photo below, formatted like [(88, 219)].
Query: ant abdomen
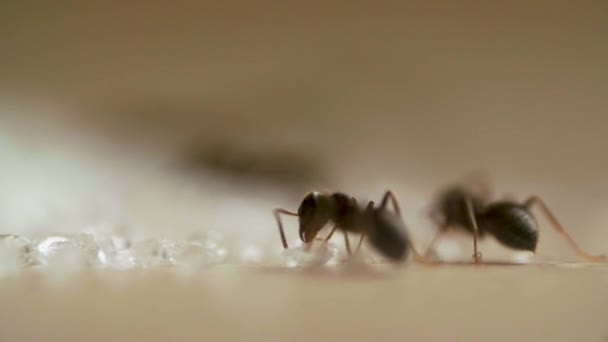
[(511, 224), (390, 235)]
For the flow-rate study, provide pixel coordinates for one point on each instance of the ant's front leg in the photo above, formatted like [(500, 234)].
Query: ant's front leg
[(326, 239), (473, 220), (346, 241), (331, 233), (277, 213)]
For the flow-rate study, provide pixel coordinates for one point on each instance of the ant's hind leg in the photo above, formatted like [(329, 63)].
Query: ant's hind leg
[(431, 246), (277, 213), (389, 195), (476, 253), (561, 231), (441, 226), (360, 243), (347, 244)]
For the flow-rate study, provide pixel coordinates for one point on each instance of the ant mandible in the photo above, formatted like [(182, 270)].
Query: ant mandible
[(511, 223), (385, 230)]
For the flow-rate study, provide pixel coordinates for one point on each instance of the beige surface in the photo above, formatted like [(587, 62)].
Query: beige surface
[(459, 303)]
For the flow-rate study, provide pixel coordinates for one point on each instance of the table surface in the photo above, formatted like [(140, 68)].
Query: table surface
[(541, 302)]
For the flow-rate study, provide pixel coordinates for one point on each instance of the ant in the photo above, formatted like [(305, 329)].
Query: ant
[(385, 230), (511, 223)]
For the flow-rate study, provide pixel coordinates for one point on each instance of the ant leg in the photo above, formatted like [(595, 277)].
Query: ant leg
[(389, 195), (476, 254), (347, 243), (432, 244), (360, 243), (331, 233), (437, 220), (277, 213), (417, 256), (561, 231)]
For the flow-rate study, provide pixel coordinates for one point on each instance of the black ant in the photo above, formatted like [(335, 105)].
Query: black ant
[(385, 230), (511, 223)]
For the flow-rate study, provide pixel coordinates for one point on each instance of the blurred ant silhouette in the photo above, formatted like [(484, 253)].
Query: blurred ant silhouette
[(512, 224), (384, 229)]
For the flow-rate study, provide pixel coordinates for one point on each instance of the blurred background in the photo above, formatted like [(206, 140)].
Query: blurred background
[(148, 114), (167, 119)]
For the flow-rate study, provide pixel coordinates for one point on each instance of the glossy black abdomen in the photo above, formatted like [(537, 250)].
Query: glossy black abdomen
[(511, 224), (388, 235)]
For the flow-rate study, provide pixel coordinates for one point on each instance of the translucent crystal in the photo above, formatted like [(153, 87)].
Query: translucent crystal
[(217, 255), (16, 252), (189, 256), (76, 250), (67, 260), (120, 242), (215, 246), (195, 253), (69, 253), (317, 253), (251, 254), (150, 253), (522, 257), (115, 252), (63, 255)]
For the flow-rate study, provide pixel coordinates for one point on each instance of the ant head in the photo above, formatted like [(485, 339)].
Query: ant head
[(314, 213), (512, 225), (387, 234)]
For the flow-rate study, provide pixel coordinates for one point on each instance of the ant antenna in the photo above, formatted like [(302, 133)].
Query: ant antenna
[(561, 231)]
